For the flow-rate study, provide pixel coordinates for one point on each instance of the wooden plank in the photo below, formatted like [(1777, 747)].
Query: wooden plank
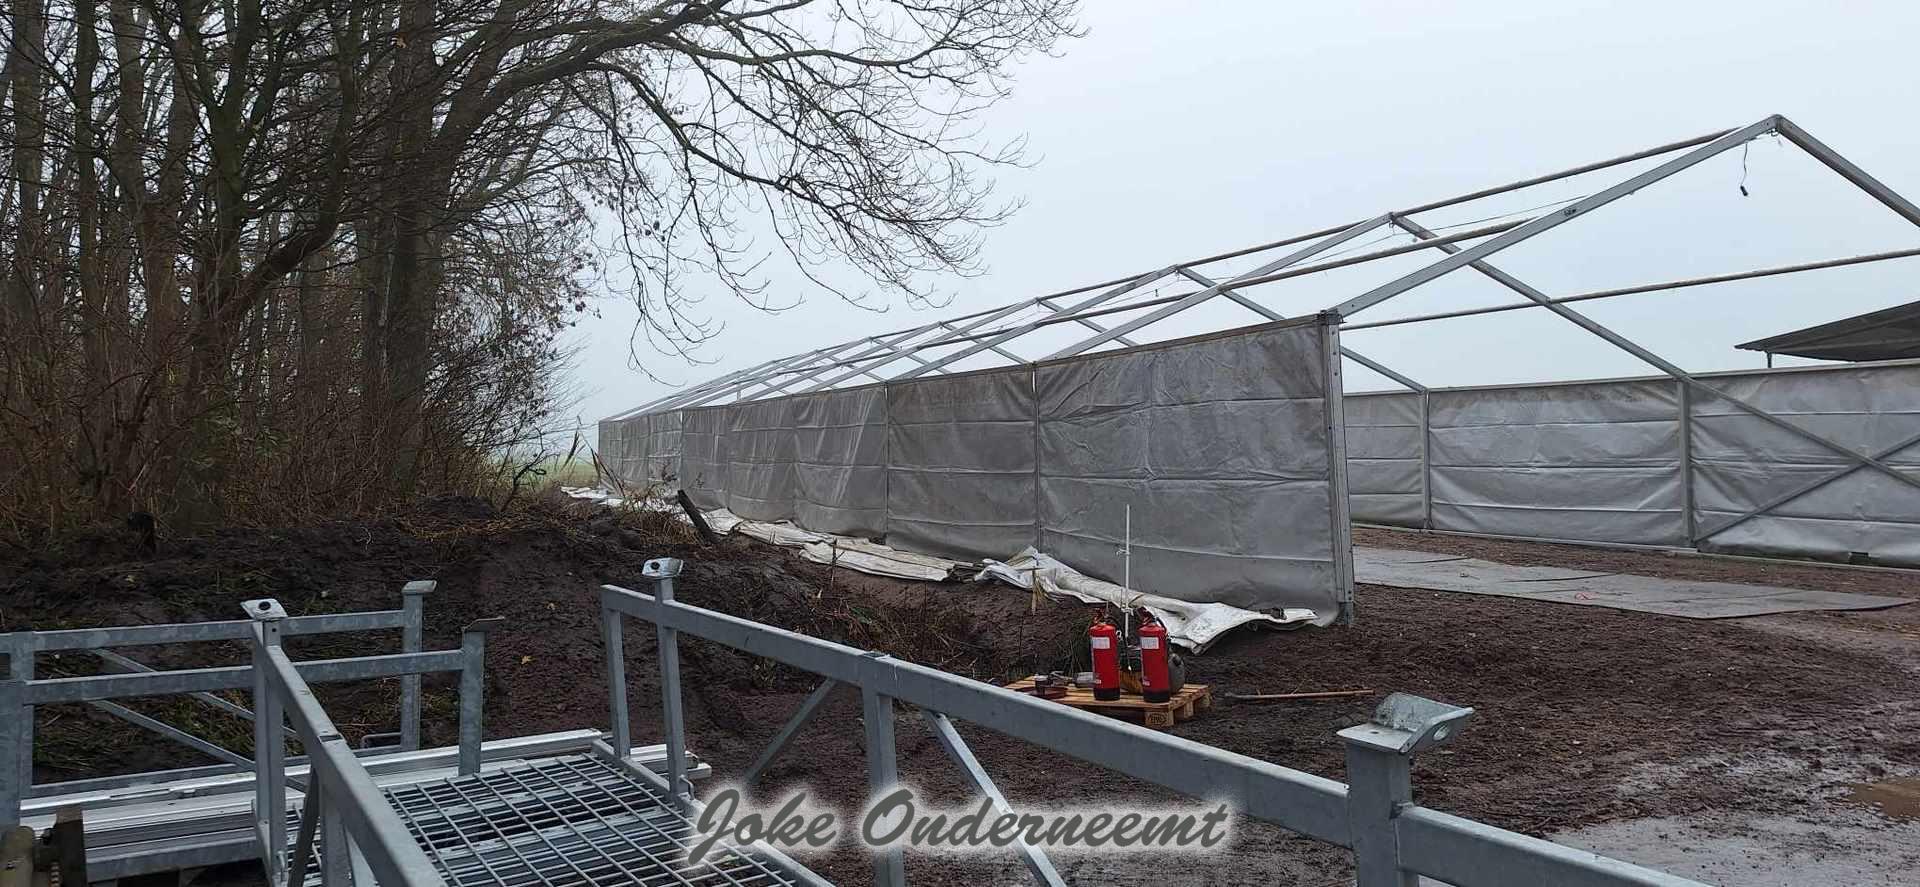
[(1183, 706)]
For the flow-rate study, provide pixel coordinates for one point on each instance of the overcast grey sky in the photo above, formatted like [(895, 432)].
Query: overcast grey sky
[(1173, 131)]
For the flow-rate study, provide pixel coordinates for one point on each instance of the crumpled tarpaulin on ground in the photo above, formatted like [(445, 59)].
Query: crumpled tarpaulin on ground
[(1193, 626)]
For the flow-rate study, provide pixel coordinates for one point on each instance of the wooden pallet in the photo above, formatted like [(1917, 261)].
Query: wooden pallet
[(1189, 701)]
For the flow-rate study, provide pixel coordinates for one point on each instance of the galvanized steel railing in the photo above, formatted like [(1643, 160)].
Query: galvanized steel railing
[(356, 827), (23, 647), (1394, 840), (357, 831)]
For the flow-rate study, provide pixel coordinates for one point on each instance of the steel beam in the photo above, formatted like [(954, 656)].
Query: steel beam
[(1271, 314), (956, 748), (1017, 359), (20, 660), (1301, 802), (887, 343), (162, 728), (673, 714), (1335, 429), (936, 341), (194, 632), (191, 680), (1032, 325), (1806, 488), (124, 664), (1663, 286), (1461, 258), (1292, 258), (883, 774), (269, 749), (738, 384), (1874, 187), (1654, 360), (16, 744), (1684, 394), (801, 717), (377, 831), (1461, 851), (789, 375), (1051, 305), (613, 642)]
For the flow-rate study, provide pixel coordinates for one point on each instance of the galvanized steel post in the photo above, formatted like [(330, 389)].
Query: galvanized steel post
[(473, 691), (1336, 431), (336, 845), (20, 655), (1686, 464), (1379, 781), (1426, 460), (883, 773), (612, 637), (412, 631), (269, 744), (14, 740), (662, 571)]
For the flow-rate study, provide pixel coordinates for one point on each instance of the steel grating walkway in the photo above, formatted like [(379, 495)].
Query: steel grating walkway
[(573, 820)]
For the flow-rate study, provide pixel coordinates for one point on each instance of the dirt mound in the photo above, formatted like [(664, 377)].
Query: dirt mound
[(1585, 714)]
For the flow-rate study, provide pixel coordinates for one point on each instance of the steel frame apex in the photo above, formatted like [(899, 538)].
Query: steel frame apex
[(986, 330)]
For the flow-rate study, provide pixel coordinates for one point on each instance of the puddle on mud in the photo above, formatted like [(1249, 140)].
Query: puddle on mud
[(1897, 798)]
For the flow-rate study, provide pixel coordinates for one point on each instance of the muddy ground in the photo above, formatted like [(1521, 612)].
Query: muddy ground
[(1587, 717)]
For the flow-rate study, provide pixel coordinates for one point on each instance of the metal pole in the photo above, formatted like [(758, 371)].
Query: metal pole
[(1806, 488), (880, 343), (1426, 460), (1660, 363), (1859, 177), (1663, 286), (612, 638), (1549, 221), (1336, 430), (1271, 314), (808, 708), (942, 339), (13, 739), (336, 845), (412, 638), (957, 749), (473, 691), (883, 773), (269, 748), (1379, 784), (1032, 325), (1292, 258), (20, 656), (662, 572), (1686, 463)]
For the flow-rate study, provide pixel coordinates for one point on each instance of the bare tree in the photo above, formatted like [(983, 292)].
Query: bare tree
[(232, 225)]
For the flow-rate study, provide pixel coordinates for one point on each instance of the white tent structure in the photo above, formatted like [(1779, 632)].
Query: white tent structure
[(983, 433)]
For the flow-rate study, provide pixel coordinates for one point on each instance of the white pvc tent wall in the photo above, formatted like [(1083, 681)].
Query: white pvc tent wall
[(1225, 446), (1603, 461)]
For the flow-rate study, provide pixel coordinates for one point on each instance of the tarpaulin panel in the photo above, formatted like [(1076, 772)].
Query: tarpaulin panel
[(1384, 458), (960, 473), (1587, 461), (704, 457), (1219, 446), (1743, 462), (760, 457), (840, 461)]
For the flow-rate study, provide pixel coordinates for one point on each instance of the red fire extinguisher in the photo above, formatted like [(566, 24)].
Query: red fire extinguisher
[(1155, 683), (1104, 641)]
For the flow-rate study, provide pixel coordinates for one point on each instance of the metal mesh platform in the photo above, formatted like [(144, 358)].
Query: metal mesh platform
[(574, 820)]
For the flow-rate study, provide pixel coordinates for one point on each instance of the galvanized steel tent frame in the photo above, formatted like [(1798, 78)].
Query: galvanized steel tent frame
[(904, 354)]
